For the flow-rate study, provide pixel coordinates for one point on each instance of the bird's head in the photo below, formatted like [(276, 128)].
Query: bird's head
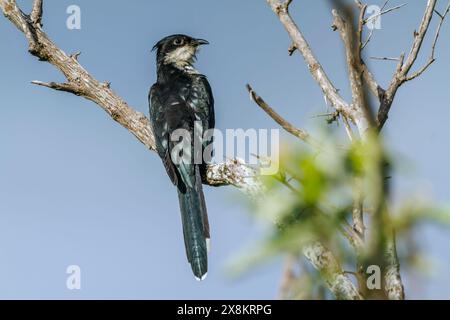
[(179, 50)]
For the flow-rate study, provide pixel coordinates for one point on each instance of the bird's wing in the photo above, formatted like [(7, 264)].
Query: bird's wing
[(170, 112), (201, 100), (161, 131), (181, 108)]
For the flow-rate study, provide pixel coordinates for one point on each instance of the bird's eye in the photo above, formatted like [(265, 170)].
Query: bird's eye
[(178, 42)]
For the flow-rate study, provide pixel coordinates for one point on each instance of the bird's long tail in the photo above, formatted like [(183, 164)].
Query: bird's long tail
[(195, 226)]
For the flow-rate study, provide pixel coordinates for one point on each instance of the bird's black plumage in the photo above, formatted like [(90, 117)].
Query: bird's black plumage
[(182, 99)]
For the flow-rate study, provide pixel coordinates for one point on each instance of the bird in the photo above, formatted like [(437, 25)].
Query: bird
[(182, 99)]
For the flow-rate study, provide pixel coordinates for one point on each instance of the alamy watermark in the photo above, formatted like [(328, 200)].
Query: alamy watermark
[(374, 20), (73, 281), (73, 21)]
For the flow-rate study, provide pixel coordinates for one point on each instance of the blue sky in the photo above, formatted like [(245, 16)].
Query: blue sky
[(77, 189)]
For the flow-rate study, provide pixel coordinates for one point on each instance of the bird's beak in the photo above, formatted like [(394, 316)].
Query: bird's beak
[(200, 42)]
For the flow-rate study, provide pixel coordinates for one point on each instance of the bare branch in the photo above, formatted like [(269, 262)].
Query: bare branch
[(67, 87), (301, 134), (383, 12), (237, 173), (281, 9), (364, 45), (348, 130), (371, 82), (432, 58), (401, 74), (36, 13), (419, 37), (359, 34), (292, 49), (393, 282), (368, 77), (337, 281), (385, 4), (385, 58), (75, 55), (77, 77), (351, 38), (365, 21)]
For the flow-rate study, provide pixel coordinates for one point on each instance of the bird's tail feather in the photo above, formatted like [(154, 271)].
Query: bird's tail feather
[(195, 226)]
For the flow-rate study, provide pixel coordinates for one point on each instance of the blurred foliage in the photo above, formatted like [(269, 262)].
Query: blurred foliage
[(312, 197)]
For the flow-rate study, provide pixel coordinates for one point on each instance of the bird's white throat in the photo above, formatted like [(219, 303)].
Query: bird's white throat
[(182, 58)]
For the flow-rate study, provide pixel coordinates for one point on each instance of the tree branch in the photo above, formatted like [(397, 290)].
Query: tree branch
[(301, 134), (392, 280), (368, 77), (36, 14), (281, 9), (383, 12), (432, 58), (371, 82), (66, 87), (337, 281), (352, 44), (404, 67)]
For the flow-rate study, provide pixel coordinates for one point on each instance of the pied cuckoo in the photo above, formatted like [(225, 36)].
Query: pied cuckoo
[(182, 99)]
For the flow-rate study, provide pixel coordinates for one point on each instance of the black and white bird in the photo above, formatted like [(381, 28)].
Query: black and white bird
[(182, 99)]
